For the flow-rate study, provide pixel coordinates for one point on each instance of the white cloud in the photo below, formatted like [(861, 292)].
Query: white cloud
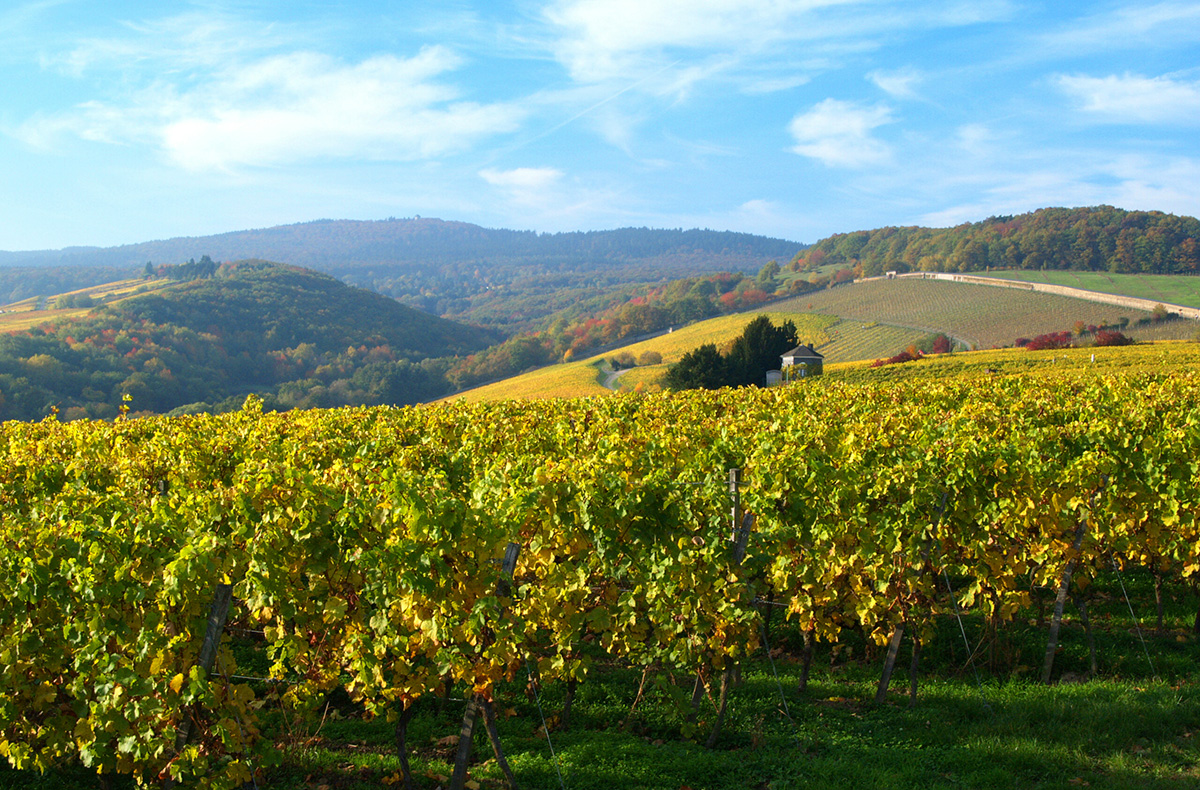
[(601, 39), (901, 84), (776, 84), (522, 178), (838, 134), (1064, 178), (1135, 99), (1129, 25), (528, 186), (173, 44), (301, 106)]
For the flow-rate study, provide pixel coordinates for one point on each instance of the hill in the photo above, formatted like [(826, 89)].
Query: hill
[(849, 323), (503, 278), (296, 337), (1180, 289), (1099, 238)]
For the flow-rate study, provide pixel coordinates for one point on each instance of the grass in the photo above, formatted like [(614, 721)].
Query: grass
[(1132, 728), (1180, 289), (569, 380)]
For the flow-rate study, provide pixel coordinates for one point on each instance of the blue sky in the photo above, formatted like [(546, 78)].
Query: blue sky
[(130, 121)]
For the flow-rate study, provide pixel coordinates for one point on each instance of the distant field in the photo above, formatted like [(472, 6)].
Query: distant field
[(26, 315), (1180, 289), (649, 378), (19, 320), (855, 340), (978, 314)]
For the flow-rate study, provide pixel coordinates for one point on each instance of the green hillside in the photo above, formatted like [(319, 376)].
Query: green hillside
[(1096, 238), (1180, 289), (295, 337), (857, 322), (979, 315)]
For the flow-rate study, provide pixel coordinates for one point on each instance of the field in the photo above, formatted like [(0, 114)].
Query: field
[(35, 311), (854, 340), (1180, 289), (982, 316), (936, 498)]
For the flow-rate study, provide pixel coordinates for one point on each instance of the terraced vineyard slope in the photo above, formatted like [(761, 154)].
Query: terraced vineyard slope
[(980, 315)]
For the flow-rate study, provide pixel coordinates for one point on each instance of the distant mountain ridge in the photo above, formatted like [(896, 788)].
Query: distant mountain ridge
[(504, 278), (321, 244)]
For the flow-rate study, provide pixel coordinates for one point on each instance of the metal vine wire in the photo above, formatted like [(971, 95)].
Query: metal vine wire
[(767, 644), (537, 697), (1136, 622)]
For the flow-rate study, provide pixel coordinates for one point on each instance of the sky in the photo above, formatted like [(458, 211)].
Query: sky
[(123, 122)]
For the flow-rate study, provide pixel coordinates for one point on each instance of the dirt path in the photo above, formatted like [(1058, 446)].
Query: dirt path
[(610, 378)]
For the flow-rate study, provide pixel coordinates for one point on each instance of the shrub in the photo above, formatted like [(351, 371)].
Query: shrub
[(649, 358), (1106, 337), (903, 356), (1051, 340)]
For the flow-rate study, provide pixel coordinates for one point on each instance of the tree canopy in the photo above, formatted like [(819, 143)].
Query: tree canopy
[(746, 363), (1099, 238)]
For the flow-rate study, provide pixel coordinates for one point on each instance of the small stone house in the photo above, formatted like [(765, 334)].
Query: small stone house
[(804, 361)]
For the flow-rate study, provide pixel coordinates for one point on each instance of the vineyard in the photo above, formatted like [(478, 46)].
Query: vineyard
[(171, 589), (977, 314)]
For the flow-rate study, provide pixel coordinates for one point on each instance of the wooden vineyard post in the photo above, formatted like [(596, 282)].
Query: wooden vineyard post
[(886, 678), (1060, 601), (401, 734), (218, 613), (742, 525), (478, 703)]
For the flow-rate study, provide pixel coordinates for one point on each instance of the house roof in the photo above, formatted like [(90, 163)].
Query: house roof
[(804, 351)]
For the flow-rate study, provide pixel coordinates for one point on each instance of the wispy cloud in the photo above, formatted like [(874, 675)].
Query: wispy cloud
[(175, 44), (599, 40), (295, 107), (1128, 25), (838, 134), (902, 84), (522, 179), (1134, 99), (972, 190), (776, 84)]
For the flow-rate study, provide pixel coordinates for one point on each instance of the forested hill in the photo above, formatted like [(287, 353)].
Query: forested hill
[(326, 244), (279, 306), (504, 278), (297, 338), (1101, 238)]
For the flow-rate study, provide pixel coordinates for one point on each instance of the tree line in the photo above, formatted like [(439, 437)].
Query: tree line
[(1100, 238)]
